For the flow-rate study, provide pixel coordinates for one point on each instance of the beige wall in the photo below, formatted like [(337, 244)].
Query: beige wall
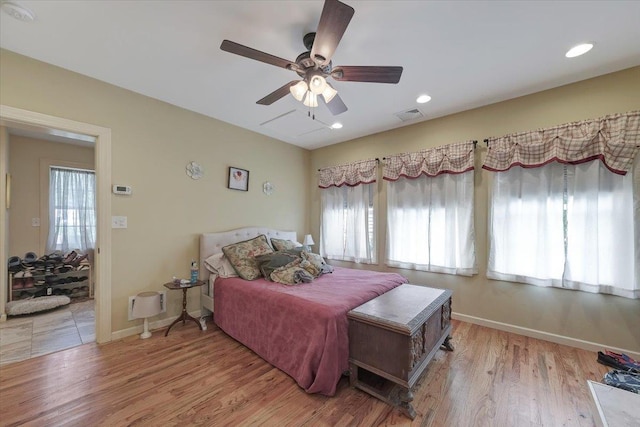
[(30, 188), (606, 320), (152, 142), (4, 213)]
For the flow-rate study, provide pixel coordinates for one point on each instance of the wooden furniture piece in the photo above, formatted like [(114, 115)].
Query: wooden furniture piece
[(212, 243), (70, 283), (616, 407), (184, 316), (393, 337)]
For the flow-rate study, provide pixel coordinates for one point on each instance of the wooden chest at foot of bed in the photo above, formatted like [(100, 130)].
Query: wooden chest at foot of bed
[(393, 337)]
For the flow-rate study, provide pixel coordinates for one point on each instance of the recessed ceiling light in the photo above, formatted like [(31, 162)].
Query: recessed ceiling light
[(423, 99), (578, 50), (18, 12), (336, 125)]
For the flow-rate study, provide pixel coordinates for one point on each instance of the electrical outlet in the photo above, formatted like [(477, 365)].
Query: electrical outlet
[(35, 222), (163, 305)]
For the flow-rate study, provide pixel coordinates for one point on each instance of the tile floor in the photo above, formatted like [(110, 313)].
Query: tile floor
[(23, 337)]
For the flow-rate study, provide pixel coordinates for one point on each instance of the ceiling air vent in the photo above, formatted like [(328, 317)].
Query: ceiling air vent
[(409, 115)]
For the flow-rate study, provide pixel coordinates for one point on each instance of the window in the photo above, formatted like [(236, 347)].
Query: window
[(562, 225), (430, 223), (348, 224), (72, 209)]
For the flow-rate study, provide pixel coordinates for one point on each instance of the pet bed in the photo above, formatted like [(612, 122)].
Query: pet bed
[(34, 305)]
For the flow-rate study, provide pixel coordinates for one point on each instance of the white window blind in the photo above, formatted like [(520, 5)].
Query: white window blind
[(569, 226), (430, 223), (348, 223)]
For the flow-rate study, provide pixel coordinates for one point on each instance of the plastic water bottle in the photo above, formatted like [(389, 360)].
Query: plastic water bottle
[(194, 271)]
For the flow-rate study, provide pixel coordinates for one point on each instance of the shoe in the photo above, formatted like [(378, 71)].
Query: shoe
[(76, 262), (14, 264), (18, 280), (29, 281), (17, 283), (70, 257), (62, 269), (624, 360), (613, 362), (623, 380), (30, 257)]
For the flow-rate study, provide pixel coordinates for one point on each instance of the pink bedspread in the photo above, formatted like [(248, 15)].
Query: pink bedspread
[(302, 329)]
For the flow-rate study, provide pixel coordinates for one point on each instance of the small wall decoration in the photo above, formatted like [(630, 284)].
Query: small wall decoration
[(238, 179), (267, 188), (194, 170)]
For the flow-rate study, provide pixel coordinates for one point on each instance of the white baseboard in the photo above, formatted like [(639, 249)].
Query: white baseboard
[(152, 326), (546, 336)]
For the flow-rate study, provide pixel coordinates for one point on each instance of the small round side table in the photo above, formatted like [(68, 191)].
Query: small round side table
[(184, 316)]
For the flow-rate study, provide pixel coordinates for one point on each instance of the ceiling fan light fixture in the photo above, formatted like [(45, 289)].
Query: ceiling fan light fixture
[(336, 125), (329, 93), (298, 90), (317, 84), (311, 100), (422, 99)]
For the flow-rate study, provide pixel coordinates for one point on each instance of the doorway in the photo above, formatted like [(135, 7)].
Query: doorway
[(14, 117)]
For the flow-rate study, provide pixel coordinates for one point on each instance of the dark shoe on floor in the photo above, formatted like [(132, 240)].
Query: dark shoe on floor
[(623, 380), (626, 361), (613, 362)]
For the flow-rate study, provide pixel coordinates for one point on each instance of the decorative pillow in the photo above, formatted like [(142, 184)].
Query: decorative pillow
[(314, 259), (270, 262), (291, 274), (311, 269), (242, 255), (220, 265), (283, 245)]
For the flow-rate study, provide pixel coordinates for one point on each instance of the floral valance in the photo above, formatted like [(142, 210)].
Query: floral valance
[(614, 139), (451, 158), (352, 174)]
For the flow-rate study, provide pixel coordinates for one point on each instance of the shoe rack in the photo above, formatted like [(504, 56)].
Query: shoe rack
[(73, 283)]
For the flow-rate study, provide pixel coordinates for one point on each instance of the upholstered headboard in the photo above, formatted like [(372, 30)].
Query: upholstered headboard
[(212, 243)]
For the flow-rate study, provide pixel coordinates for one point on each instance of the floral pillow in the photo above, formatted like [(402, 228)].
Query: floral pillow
[(315, 259), (283, 245), (270, 262), (291, 274), (242, 255)]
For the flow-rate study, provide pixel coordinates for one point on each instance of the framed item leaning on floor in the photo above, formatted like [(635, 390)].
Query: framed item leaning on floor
[(238, 179)]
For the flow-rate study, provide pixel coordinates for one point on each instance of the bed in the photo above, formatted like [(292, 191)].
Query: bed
[(302, 329)]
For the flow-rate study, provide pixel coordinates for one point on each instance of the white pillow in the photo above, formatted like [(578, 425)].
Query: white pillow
[(220, 265)]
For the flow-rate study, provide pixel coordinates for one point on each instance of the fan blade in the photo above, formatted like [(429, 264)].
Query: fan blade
[(251, 53), (367, 74), (333, 23), (277, 94), (336, 106)]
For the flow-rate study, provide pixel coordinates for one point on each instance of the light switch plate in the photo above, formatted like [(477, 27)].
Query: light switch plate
[(118, 222)]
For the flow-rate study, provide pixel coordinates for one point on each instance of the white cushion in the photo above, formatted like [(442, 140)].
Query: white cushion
[(220, 265)]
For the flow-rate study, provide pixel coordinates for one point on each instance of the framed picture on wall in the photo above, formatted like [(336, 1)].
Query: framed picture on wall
[(238, 179)]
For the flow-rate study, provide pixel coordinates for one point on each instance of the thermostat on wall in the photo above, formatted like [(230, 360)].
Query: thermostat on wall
[(122, 189)]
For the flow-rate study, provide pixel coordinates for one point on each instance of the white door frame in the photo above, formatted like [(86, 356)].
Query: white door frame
[(9, 115)]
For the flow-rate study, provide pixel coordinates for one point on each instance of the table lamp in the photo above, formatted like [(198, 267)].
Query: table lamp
[(308, 242), (145, 305)]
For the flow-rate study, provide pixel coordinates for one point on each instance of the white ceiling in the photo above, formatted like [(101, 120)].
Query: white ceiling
[(464, 54)]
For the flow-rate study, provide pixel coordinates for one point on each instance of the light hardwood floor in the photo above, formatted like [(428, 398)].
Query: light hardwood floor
[(492, 378)]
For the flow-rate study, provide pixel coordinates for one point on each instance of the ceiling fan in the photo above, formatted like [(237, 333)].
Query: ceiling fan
[(314, 65)]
